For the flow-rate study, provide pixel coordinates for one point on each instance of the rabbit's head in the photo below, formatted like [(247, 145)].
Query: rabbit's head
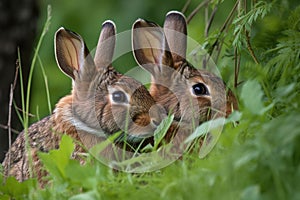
[(103, 100), (193, 95)]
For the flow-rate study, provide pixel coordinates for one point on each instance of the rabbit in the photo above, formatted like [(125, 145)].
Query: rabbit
[(97, 106), (192, 95)]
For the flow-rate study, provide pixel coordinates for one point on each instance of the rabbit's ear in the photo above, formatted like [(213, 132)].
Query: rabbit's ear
[(150, 47), (106, 45), (175, 29), (71, 53)]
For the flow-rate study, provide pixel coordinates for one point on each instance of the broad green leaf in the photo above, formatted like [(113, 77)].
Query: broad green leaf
[(77, 174), (252, 97), (204, 128), (251, 193), (234, 117), (56, 160), (91, 195), (16, 189)]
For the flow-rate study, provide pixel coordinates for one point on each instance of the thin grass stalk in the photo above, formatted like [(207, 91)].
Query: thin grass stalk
[(11, 97), (196, 10), (224, 26), (25, 114), (46, 84), (186, 5)]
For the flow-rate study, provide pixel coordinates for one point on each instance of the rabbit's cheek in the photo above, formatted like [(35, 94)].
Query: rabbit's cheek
[(203, 102), (106, 120), (204, 109)]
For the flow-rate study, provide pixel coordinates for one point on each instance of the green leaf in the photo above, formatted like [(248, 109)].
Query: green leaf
[(147, 148), (246, 20), (56, 160), (204, 128), (252, 97), (78, 174), (251, 192), (16, 189), (162, 130), (100, 147), (234, 117), (285, 90), (91, 195)]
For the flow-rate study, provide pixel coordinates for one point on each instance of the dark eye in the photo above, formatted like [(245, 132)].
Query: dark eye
[(200, 89), (119, 97)]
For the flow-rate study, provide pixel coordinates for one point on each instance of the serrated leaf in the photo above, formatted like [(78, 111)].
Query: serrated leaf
[(56, 160), (16, 189)]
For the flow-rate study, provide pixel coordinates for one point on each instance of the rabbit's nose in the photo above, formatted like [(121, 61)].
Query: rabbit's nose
[(157, 114)]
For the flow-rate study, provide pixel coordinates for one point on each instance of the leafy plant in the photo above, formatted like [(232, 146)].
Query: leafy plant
[(257, 155)]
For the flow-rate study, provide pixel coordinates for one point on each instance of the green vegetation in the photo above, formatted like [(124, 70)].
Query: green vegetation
[(257, 51)]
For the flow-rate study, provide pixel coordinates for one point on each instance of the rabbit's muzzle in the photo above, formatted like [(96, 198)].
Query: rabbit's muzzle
[(143, 125)]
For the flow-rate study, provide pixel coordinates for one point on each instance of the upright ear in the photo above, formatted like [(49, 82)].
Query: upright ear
[(150, 47), (175, 29), (71, 53), (106, 45)]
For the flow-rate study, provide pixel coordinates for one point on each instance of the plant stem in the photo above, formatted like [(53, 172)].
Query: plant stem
[(210, 51), (26, 116), (11, 97), (46, 84), (186, 5), (237, 63), (194, 12)]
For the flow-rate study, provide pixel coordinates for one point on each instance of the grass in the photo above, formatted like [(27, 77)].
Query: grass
[(256, 158)]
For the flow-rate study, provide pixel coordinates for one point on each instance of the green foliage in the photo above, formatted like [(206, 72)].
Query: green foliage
[(57, 160), (16, 190), (161, 131), (257, 155), (251, 96), (245, 21), (66, 175)]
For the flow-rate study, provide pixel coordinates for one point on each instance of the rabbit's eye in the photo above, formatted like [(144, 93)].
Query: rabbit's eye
[(200, 89), (119, 97)]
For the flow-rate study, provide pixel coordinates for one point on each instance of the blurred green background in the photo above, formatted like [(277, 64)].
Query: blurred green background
[(85, 18)]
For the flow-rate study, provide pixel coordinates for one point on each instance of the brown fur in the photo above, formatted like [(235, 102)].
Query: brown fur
[(88, 111), (162, 52), (43, 136)]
